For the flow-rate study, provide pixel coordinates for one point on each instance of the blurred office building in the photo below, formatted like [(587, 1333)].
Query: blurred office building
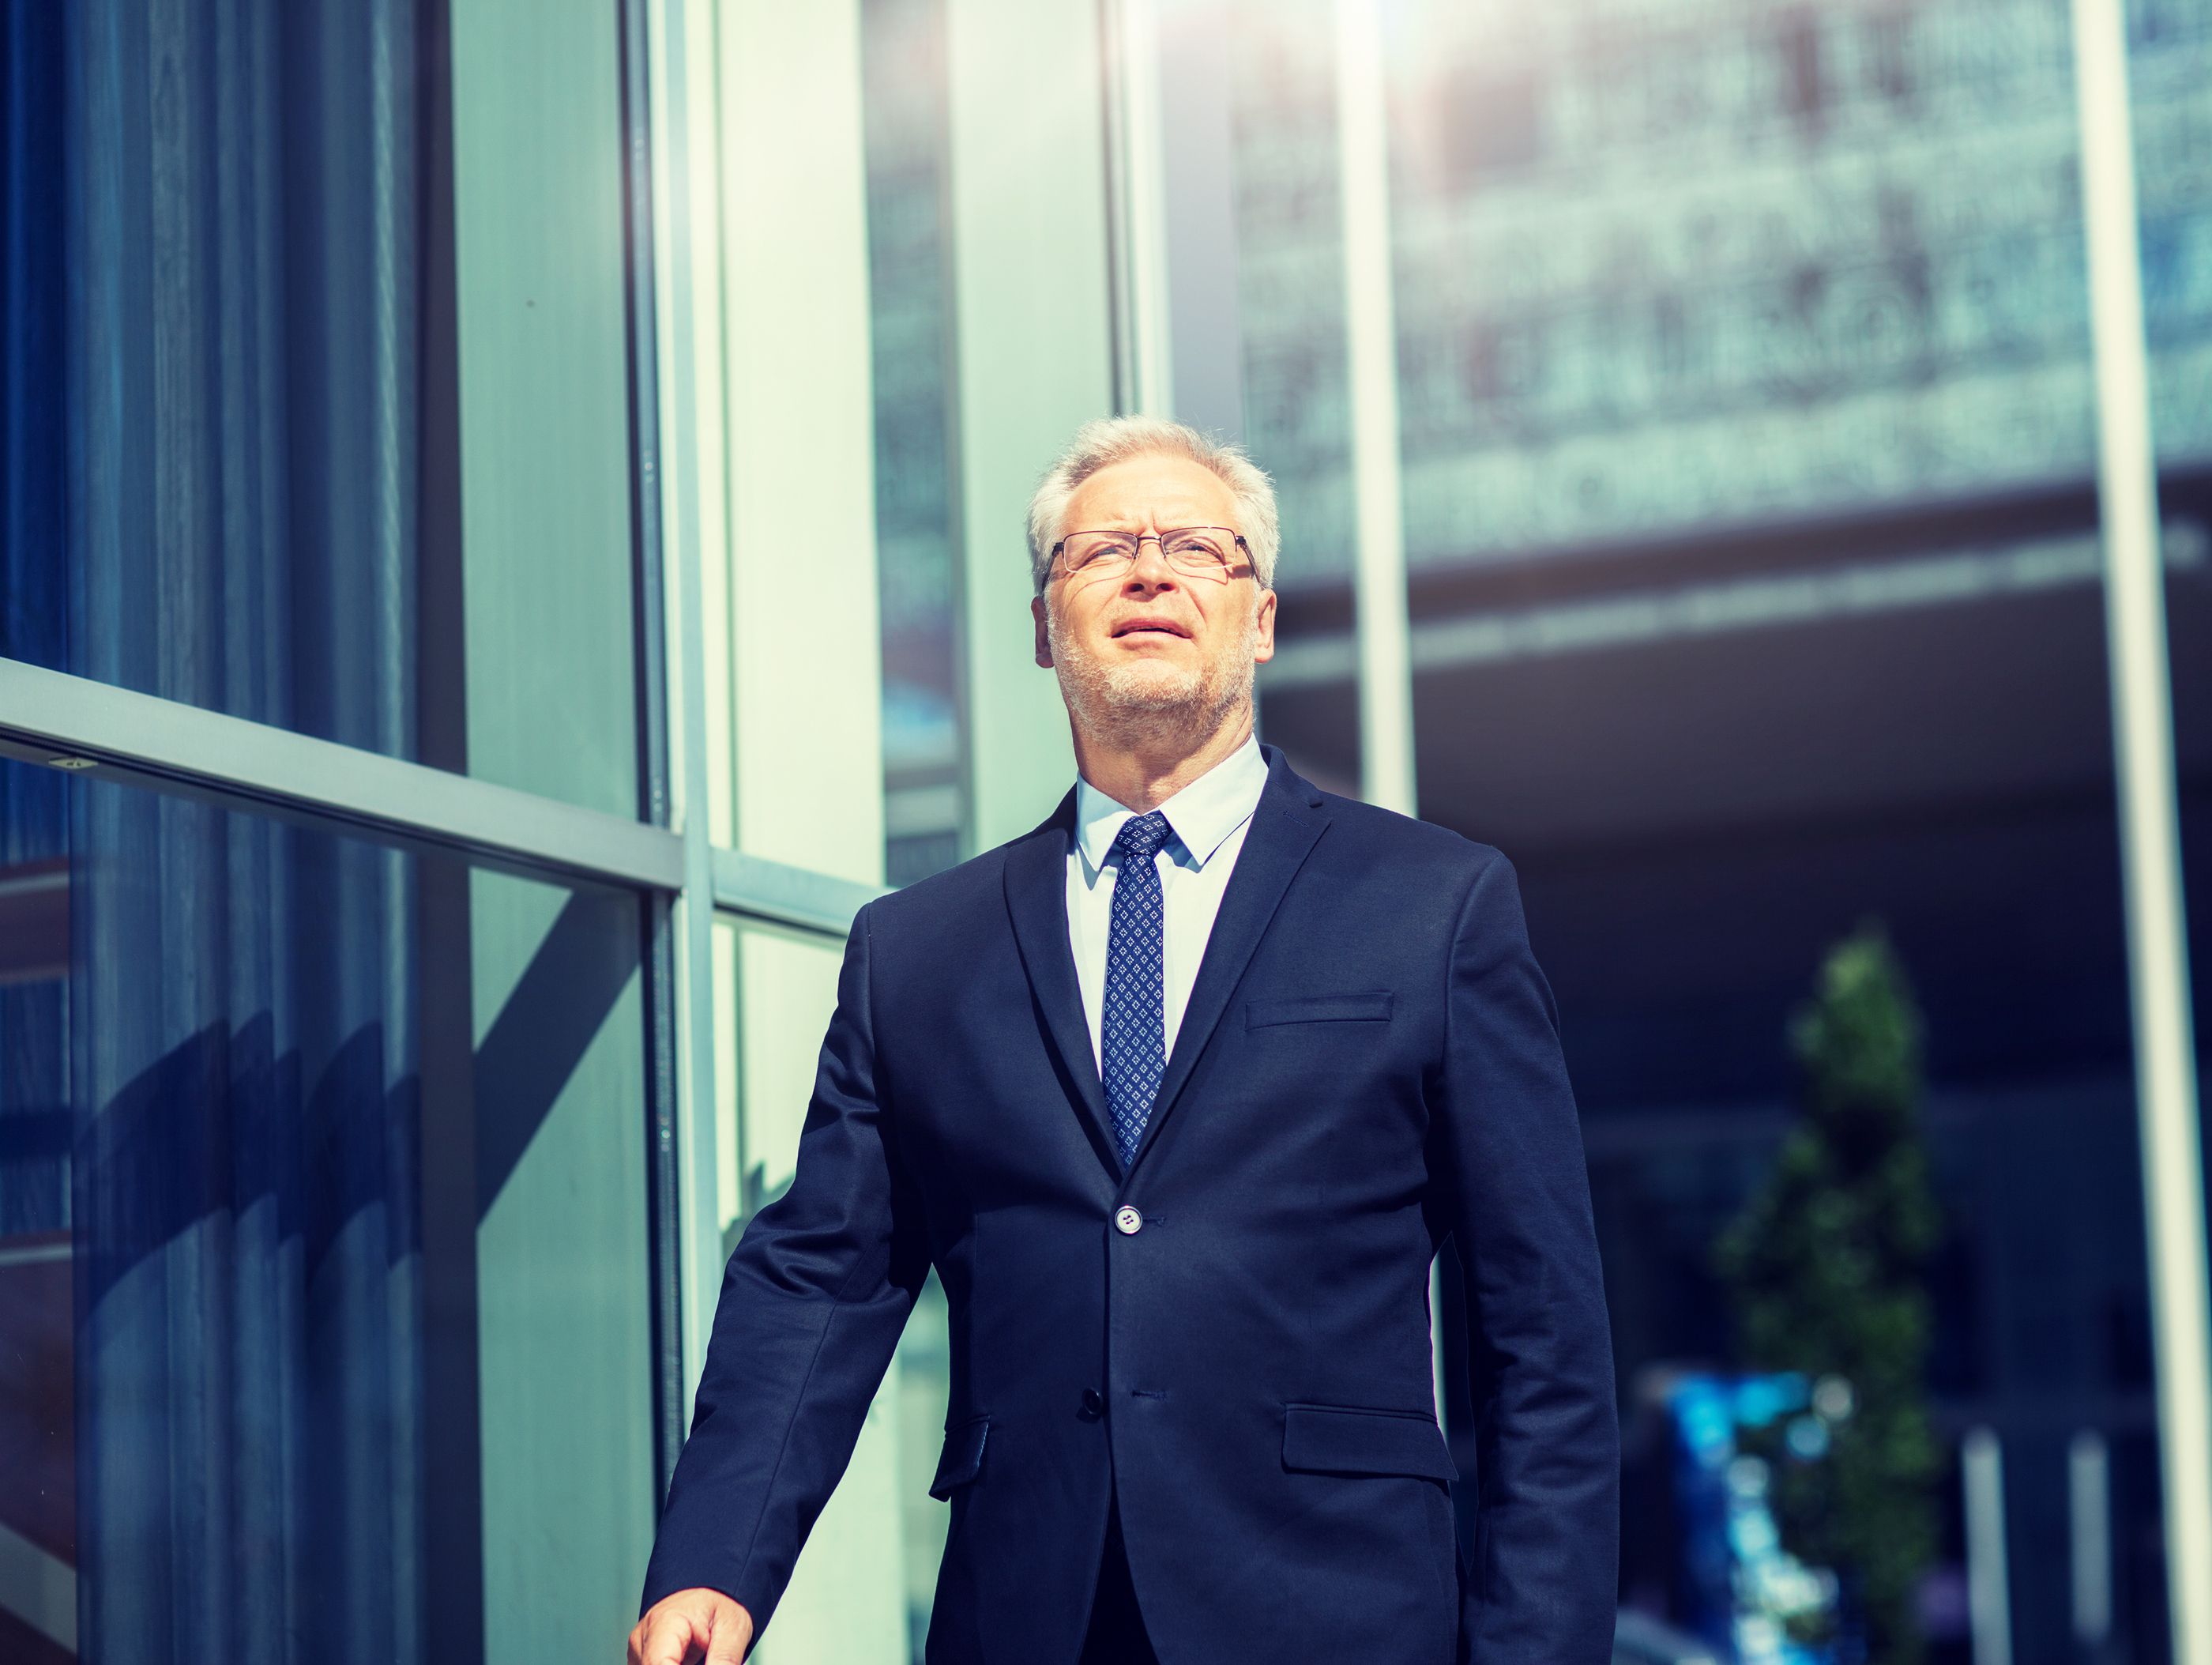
[(1748, 460), (513, 533)]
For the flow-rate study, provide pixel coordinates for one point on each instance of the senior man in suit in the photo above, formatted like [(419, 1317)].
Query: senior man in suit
[(1180, 1093)]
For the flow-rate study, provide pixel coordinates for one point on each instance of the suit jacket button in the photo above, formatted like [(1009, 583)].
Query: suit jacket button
[(1128, 1221), (1093, 1406)]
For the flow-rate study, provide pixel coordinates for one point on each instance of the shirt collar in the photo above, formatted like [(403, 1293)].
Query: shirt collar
[(1201, 815)]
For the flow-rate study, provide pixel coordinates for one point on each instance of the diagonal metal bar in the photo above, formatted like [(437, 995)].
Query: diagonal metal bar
[(116, 734)]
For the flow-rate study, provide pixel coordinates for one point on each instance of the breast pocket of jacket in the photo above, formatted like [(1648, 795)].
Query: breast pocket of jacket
[(1367, 1006)]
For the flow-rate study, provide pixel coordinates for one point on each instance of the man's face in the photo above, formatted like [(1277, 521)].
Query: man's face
[(1154, 649)]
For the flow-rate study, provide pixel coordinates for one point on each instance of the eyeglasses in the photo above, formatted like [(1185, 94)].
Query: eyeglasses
[(1197, 552)]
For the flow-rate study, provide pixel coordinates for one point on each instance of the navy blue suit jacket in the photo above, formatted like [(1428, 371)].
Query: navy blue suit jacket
[(1369, 1062)]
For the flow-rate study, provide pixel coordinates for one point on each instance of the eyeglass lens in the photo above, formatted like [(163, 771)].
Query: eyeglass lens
[(1202, 549)]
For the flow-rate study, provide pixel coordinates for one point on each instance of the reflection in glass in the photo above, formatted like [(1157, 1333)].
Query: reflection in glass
[(903, 70), (1289, 273), (231, 377), (1663, 267), (233, 474), (323, 1205)]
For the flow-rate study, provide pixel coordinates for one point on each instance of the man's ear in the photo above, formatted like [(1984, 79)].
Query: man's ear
[(1043, 637), (1264, 648)]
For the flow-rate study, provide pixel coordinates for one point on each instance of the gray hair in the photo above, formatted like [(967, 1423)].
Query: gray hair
[(1109, 440)]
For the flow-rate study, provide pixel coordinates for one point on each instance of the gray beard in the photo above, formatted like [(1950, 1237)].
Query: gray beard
[(1126, 707)]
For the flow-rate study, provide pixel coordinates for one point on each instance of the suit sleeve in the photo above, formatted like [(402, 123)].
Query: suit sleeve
[(812, 1306), (1543, 1586)]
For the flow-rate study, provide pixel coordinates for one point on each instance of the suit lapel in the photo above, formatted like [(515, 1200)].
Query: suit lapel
[(1037, 899), (1285, 827)]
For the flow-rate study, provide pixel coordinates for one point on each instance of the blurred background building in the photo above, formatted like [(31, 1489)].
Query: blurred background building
[(511, 534)]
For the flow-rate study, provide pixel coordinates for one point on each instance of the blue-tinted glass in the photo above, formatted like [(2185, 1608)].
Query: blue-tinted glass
[(287, 439), (325, 1279), (2169, 67), (904, 67), (1290, 275), (1663, 268)]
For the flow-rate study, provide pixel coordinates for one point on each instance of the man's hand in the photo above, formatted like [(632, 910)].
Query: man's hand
[(692, 1626)]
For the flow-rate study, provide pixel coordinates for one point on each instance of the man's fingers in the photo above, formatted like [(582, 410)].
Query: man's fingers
[(733, 1629), (665, 1638), (705, 1619)]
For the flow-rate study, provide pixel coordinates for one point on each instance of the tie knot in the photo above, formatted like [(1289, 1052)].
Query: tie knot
[(1141, 836)]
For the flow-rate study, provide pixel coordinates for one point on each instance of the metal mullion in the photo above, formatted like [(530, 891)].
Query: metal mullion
[(697, 1256), (146, 740), (1136, 226), (665, 915), (2168, 1111), (1379, 623), (753, 887)]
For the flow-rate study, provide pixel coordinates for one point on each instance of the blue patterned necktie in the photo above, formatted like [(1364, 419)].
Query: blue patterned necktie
[(1133, 1024)]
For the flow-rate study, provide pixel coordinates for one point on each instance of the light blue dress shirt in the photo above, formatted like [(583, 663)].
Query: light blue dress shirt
[(1209, 818)]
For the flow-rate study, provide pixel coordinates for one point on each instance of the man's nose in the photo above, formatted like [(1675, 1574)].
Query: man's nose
[(1151, 568)]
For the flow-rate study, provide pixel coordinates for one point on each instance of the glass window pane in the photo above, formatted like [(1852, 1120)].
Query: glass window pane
[(1290, 278), (540, 264), (2169, 66), (325, 1271), (903, 44), (316, 375), (777, 305)]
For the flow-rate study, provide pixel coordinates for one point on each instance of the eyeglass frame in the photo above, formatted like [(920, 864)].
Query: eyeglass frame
[(1228, 575)]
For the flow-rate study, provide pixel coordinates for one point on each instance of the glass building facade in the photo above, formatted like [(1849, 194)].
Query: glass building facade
[(511, 536)]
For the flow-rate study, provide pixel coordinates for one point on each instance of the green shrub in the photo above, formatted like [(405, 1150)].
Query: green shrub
[(1824, 1268)]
